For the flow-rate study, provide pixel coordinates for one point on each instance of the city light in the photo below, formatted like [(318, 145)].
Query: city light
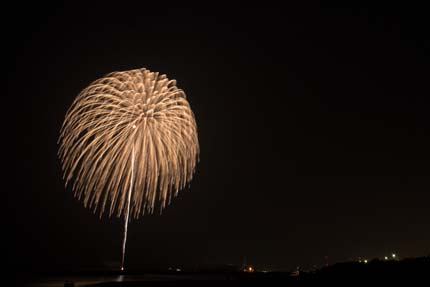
[(365, 260), (386, 257), (249, 269), (393, 255)]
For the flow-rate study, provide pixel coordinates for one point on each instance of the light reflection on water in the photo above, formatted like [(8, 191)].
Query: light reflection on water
[(58, 281)]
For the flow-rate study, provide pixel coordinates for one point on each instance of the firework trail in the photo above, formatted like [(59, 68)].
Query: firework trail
[(129, 140), (127, 211)]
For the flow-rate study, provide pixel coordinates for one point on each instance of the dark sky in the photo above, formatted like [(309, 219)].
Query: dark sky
[(313, 123)]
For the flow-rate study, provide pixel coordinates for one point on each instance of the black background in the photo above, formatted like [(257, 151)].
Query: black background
[(313, 124)]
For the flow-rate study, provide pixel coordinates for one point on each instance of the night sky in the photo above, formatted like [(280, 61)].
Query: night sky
[(313, 123)]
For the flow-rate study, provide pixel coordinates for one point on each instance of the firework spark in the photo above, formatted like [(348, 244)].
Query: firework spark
[(129, 140)]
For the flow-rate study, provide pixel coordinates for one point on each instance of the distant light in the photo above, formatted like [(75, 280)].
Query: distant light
[(178, 269), (365, 260), (393, 255), (386, 257), (249, 269), (122, 268)]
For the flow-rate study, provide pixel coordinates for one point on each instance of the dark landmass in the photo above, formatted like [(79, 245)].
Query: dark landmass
[(412, 272)]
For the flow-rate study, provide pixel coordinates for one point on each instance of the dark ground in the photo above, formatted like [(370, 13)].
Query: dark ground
[(408, 272)]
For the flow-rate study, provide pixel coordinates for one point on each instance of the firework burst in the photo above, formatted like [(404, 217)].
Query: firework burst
[(129, 140)]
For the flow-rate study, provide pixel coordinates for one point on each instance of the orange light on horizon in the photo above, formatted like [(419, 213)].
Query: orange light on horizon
[(249, 269)]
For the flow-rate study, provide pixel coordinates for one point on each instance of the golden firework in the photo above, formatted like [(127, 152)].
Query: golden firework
[(129, 140)]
